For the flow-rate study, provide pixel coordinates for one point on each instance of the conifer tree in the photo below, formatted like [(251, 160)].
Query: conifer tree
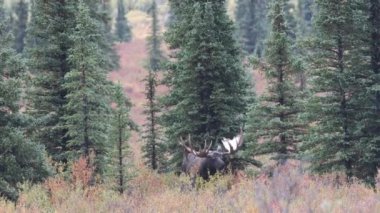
[(368, 122), (87, 107), (291, 21), (274, 119), (100, 11), (305, 30), (21, 11), (336, 83), (305, 10), (20, 158), (47, 53), (251, 17), (123, 32), (121, 126), (153, 148), (208, 87), (374, 22), (109, 37)]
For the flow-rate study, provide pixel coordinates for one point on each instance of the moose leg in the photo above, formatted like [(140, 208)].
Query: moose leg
[(193, 179)]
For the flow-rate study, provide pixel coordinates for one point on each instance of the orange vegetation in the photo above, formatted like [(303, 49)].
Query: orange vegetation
[(288, 190)]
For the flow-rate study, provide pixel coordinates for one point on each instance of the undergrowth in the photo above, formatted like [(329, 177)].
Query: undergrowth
[(289, 189)]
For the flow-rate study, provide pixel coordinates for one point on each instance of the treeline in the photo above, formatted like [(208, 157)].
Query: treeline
[(55, 99), (321, 63)]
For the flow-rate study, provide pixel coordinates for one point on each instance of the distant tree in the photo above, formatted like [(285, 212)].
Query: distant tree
[(20, 158), (251, 18), (153, 148), (208, 87), (100, 12), (290, 14), (305, 10), (337, 82), (121, 126), (87, 107), (21, 12), (113, 57), (123, 31), (304, 31), (274, 119), (47, 54)]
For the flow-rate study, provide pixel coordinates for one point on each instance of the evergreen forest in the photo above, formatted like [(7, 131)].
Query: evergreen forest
[(189, 105)]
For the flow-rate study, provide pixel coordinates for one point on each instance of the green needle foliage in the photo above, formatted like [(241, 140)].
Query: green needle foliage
[(47, 53), (338, 82), (372, 160), (87, 107), (104, 12), (291, 21), (21, 12), (251, 18), (123, 31), (306, 13), (100, 11), (368, 121), (20, 158), (275, 118), (153, 148), (121, 126), (208, 86)]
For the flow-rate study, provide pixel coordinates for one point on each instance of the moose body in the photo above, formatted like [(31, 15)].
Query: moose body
[(202, 166), (208, 162)]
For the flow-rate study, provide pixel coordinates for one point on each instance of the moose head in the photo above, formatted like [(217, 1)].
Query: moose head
[(207, 162)]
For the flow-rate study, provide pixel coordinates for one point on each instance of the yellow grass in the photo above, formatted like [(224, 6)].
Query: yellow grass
[(287, 191)]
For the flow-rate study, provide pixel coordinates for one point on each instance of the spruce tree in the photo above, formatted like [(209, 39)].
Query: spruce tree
[(153, 148), (251, 18), (291, 21), (100, 11), (305, 13), (337, 82), (274, 119), (208, 87), (374, 26), (109, 41), (123, 32), (21, 12), (374, 129), (20, 158), (47, 53), (87, 107), (305, 30), (368, 122), (121, 126)]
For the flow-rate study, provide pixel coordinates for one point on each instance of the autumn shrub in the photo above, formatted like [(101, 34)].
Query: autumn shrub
[(288, 188), (82, 172), (34, 198)]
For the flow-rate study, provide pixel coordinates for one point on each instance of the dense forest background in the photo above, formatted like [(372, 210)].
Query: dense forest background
[(95, 95)]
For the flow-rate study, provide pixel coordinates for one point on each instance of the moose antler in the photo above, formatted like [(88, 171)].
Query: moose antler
[(201, 153), (183, 143), (232, 145)]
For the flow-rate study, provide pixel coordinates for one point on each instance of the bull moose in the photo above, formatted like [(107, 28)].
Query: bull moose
[(206, 162)]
